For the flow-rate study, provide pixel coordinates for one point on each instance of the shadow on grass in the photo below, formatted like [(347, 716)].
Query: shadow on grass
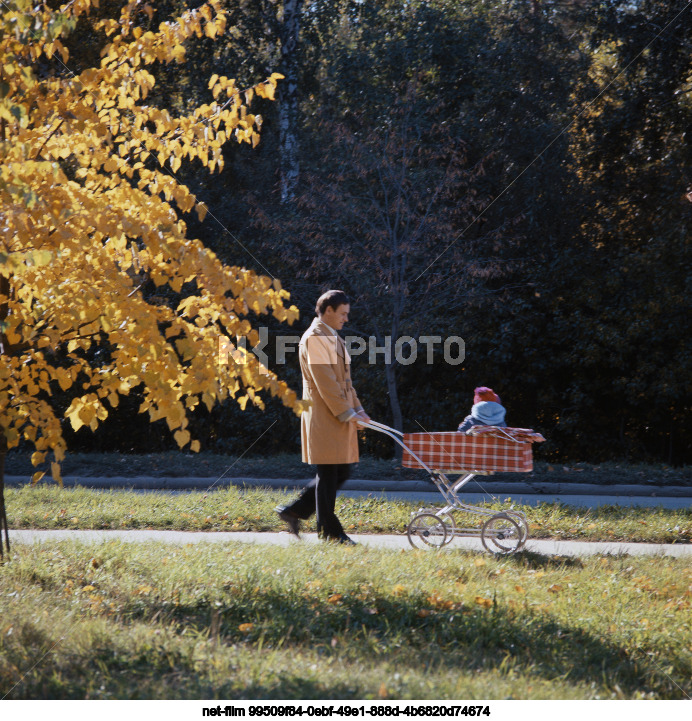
[(415, 634), (406, 633), (534, 560), (409, 633)]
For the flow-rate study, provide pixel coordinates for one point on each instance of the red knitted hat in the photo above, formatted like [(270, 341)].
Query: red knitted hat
[(482, 393)]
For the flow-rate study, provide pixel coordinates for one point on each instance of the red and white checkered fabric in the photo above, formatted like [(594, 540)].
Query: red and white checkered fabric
[(452, 451)]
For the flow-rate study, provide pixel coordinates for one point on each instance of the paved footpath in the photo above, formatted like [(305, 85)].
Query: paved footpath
[(548, 548)]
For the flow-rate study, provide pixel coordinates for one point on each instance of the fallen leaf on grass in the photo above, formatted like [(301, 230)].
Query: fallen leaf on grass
[(335, 598), (246, 627), (479, 562), (484, 602), (555, 588), (520, 589)]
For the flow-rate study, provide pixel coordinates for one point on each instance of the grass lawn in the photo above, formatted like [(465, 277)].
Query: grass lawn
[(117, 620), (234, 509), (175, 464)]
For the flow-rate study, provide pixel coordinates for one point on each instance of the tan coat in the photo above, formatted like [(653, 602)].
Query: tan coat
[(326, 434)]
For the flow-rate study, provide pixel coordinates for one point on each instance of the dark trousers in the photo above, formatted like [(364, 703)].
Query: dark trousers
[(319, 497)]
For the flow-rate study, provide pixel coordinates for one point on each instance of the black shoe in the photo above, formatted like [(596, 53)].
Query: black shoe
[(345, 540), (291, 520)]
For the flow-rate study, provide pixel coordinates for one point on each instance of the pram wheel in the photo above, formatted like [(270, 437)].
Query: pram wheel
[(448, 520), (502, 534), (520, 518), (426, 530)]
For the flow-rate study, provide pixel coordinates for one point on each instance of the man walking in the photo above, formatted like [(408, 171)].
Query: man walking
[(329, 427)]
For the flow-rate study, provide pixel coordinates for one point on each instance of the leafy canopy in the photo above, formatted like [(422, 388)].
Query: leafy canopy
[(90, 218)]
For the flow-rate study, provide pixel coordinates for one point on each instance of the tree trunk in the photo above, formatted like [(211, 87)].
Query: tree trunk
[(288, 100), (3, 516), (4, 311), (395, 406)]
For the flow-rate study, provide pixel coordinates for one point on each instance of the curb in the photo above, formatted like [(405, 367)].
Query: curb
[(482, 486)]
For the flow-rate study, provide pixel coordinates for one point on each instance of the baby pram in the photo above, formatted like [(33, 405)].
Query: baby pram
[(486, 450)]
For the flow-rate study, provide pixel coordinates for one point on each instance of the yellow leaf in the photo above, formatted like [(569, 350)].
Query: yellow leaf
[(520, 589), (194, 446), (64, 378), (246, 627), (182, 438), (555, 588), (479, 562), (484, 602), (334, 598), (202, 210)]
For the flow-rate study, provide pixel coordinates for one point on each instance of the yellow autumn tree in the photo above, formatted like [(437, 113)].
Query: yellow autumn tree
[(90, 209)]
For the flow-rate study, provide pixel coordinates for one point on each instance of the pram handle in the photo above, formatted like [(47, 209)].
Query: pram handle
[(380, 427), (394, 435)]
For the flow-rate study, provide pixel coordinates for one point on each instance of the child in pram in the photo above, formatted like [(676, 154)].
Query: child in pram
[(487, 410)]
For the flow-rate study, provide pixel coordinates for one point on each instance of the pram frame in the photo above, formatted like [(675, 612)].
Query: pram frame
[(502, 533)]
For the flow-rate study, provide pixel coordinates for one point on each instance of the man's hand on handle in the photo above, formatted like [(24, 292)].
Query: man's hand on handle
[(360, 416)]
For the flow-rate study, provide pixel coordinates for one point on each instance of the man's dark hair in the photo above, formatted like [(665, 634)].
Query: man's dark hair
[(331, 299)]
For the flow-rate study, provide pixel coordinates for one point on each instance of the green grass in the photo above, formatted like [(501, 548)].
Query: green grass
[(176, 464), (240, 621), (233, 509)]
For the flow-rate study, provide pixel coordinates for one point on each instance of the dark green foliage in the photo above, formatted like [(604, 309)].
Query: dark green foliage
[(568, 271)]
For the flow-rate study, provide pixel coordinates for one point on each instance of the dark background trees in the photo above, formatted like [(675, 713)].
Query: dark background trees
[(543, 161)]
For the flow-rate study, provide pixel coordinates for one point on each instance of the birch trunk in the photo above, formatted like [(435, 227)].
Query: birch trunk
[(288, 100)]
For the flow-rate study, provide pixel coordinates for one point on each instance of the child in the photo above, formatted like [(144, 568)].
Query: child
[(486, 410)]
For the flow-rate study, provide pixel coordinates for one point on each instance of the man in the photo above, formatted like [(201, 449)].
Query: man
[(329, 428)]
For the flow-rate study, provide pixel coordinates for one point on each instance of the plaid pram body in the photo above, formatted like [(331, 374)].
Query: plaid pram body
[(453, 451)]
